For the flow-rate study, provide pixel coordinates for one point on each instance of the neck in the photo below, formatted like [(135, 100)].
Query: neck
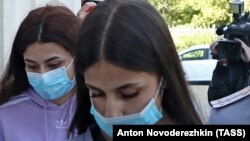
[(166, 120), (107, 138)]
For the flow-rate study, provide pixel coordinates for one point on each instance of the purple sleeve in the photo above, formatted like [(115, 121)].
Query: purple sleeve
[(1, 131)]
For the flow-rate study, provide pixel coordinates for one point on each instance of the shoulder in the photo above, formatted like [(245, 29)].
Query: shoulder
[(234, 113), (15, 100)]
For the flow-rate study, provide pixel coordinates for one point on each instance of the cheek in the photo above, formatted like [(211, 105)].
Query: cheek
[(158, 102), (133, 107), (116, 107), (136, 105), (71, 73), (99, 104)]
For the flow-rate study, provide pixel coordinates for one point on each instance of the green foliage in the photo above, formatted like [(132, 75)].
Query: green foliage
[(186, 40), (195, 13), (198, 54)]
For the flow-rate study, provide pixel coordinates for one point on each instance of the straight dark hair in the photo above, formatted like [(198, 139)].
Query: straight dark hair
[(132, 34), (55, 24)]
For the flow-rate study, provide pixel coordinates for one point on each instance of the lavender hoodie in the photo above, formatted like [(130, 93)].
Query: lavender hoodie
[(28, 117)]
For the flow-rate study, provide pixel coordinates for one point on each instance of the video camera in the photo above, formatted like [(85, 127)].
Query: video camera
[(240, 28)]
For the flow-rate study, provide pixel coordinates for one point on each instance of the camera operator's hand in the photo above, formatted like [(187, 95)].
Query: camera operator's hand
[(213, 47), (85, 9), (214, 50), (245, 55)]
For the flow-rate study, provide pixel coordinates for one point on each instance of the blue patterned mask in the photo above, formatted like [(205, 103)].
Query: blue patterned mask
[(53, 84), (148, 116)]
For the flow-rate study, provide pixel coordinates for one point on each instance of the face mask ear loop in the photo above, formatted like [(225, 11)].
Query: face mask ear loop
[(91, 100), (159, 88), (70, 64), (158, 91)]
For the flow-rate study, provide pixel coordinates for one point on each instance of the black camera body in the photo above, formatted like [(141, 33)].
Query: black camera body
[(240, 28), (229, 48)]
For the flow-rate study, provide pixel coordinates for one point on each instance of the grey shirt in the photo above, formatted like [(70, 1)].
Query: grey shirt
[(235, 113)]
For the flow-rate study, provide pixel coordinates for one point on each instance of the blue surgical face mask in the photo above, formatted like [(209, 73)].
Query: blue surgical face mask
[(53, 84), (148, 116)]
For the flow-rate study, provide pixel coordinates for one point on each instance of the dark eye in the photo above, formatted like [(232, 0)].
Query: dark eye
[(130, 96), (95, 93), (53, 66), (31, 67)]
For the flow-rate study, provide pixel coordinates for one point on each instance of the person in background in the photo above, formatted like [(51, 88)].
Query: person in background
[(128, 71), (228, 92), (86, 7), (37, 89)]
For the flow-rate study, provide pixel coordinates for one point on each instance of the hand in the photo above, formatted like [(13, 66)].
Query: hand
[(85, 9), (245, 55), (213, 47), (214, 50)]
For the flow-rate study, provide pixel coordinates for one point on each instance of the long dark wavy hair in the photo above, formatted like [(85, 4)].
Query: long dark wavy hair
[(55, 24), (131, 34)]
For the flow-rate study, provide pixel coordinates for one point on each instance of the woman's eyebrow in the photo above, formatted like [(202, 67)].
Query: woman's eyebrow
[(118, 88), (93, 87), (47, 60), (52, 58), (28, 60), (128, 85)]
